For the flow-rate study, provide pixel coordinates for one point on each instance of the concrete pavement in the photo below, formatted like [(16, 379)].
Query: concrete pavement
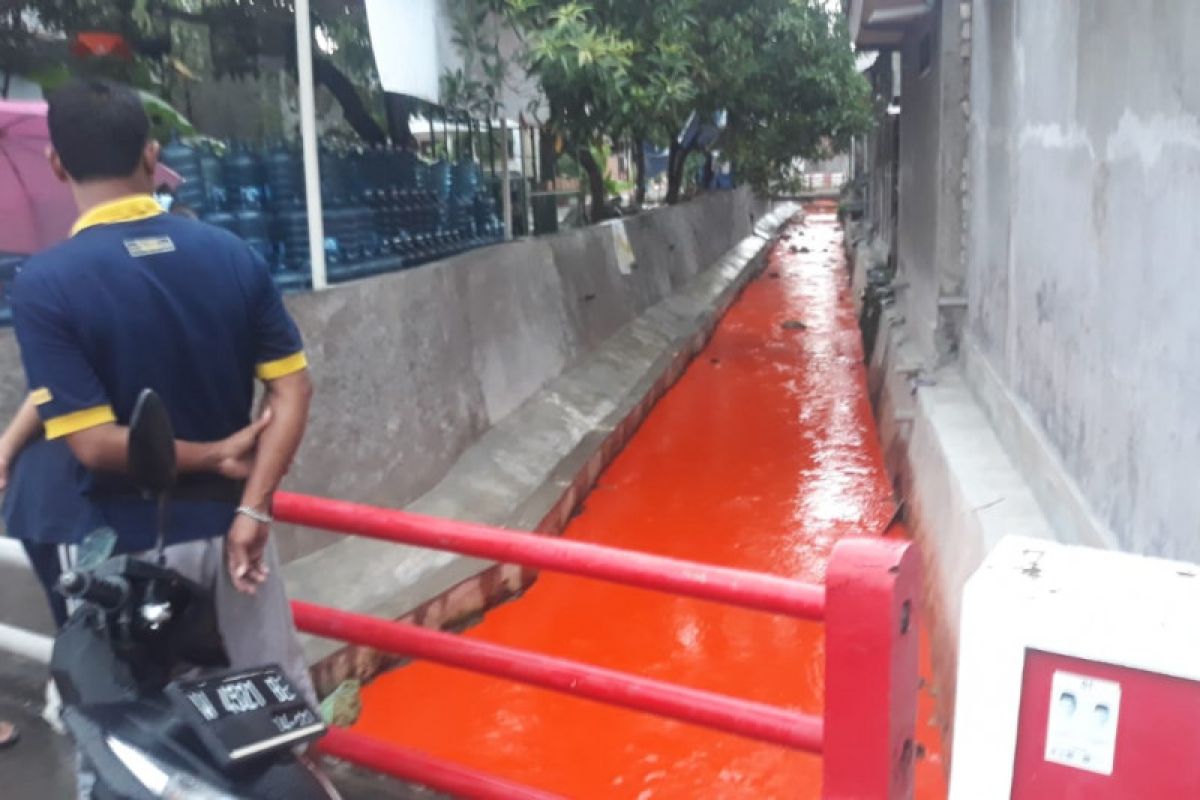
[(39, 766)]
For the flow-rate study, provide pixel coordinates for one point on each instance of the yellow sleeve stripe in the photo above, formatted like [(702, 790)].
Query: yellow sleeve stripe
[(78, 421), (41, 396), (270, 370)]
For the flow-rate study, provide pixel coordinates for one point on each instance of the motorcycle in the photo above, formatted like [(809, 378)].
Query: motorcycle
[(148, 696)]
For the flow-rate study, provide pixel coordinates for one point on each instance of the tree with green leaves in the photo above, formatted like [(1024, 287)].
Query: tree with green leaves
[(782, 72), (583, 69), (616, 71), (665, 69)]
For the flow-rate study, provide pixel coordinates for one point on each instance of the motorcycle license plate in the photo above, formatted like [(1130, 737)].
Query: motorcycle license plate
[(241, 715)]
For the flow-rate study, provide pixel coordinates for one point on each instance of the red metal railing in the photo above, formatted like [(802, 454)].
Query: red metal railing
[(416, 767), (674, 576), (868, 604), (744, 717)]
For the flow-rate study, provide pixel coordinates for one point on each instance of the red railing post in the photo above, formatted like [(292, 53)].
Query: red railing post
[(871, 669)]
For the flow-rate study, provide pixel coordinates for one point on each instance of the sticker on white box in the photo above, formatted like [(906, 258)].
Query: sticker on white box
[(1082, 727)]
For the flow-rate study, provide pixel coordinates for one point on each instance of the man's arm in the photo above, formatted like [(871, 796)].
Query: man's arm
[(287, 401), (24, 426), (105, 448), (72, 400)]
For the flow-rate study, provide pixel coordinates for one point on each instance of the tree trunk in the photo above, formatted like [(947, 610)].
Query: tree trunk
[(547, 159), (353, 108), (358, 117), (639, 167), (709, 172), (676, 162), (595, 183)]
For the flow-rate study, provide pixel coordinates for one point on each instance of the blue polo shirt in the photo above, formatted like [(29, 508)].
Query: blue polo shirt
[(44, 501), (137, 298)]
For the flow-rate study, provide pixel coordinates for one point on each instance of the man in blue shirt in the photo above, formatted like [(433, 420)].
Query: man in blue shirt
[(44, 505), (137, 298)]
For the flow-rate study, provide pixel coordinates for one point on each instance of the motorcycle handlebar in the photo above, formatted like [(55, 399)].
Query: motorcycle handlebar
[(109, 593)]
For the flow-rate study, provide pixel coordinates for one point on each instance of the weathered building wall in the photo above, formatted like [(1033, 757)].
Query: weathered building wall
[(932, 150), (1059, 405), (1085, 157)]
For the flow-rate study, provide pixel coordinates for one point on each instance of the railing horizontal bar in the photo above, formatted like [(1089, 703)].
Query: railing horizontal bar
[(416, 767), (732, 715), (675, 576)]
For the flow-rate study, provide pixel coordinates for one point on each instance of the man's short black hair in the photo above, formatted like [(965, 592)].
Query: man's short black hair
[(99, 129)]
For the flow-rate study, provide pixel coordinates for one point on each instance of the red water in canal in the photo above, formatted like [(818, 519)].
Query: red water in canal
[(762, 456)]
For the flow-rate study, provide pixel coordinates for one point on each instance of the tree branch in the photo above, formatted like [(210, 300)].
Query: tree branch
[(355, 111)]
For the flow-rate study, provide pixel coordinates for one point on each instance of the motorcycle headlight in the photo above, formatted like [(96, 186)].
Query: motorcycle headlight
[(159, 779), (187, 787)]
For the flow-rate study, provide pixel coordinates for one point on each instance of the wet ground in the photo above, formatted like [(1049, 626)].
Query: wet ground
[(761, 457), (38, 767)]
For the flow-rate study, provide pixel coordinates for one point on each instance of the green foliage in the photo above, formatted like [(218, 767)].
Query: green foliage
[(785, 72), (693, 166), (609, 69), (177, 42), (628, 70), (477, 86), (166, 121)]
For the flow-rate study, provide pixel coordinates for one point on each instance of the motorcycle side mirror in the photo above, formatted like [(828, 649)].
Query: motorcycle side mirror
[(151, 445), (152, 456), (96, 548)]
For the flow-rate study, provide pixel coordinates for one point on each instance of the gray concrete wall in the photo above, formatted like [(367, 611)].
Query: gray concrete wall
[(1085, 150), (414, 367), (411, 368), (933, 138)]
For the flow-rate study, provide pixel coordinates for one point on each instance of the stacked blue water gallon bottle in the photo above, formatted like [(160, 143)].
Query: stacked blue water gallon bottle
[(384, 208)]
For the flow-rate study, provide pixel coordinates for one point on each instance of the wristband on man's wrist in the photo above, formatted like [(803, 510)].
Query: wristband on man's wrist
[(261, 517)]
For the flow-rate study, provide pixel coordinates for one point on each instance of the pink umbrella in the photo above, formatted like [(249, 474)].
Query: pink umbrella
[(36, 209)]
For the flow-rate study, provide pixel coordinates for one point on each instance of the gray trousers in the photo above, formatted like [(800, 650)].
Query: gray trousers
[(258, 629)]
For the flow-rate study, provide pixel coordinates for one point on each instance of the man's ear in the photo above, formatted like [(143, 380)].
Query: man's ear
[(150, 156), (56, 165)]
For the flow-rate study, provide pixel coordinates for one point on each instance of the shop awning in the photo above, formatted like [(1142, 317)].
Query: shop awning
[(883, 24)]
